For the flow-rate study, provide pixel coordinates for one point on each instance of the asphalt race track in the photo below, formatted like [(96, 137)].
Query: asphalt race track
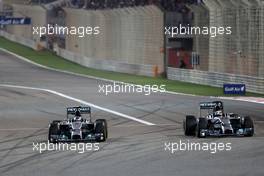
[(133, 148)]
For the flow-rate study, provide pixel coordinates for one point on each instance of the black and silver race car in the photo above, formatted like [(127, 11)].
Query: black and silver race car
[(77, 128), (217, 123)]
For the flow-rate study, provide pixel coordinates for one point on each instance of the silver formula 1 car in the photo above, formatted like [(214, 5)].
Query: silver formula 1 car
[(217, 123), (76, 128)]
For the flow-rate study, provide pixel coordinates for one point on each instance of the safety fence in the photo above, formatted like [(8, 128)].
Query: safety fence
[(242, 52)]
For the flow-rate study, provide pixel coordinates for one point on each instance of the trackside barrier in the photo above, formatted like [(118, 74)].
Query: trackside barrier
[(21, 40), (253, 84), (109, 65), (38, 16), (130, 39)]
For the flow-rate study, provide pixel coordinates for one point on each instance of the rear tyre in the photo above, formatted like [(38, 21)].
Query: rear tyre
[(202, 125), (53, 130), (189, 125), (248, 123), (100, 128)]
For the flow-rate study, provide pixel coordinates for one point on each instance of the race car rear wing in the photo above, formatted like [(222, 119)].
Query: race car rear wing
[(83, 110), (207, 105), (211, 105)]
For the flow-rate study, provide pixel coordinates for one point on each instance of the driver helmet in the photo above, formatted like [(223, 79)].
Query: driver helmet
[(217, 108), (77, 115), (218, 113)]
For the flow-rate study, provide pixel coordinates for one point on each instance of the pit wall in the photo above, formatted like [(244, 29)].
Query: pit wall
[(130, 39)]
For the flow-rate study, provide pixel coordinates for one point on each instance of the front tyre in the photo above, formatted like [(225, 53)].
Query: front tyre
[(53, 131), (190, 125), (100, 129), (248, 126)]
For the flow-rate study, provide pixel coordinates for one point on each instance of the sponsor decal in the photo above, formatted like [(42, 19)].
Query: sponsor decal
[(14, 21), (238, 89)]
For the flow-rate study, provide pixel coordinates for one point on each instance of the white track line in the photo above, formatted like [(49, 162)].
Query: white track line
[(82, 75), (120, 82), (246, 99), (79, 101)]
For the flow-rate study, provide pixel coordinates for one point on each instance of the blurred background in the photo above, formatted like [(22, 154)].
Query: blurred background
[(132, 38)]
